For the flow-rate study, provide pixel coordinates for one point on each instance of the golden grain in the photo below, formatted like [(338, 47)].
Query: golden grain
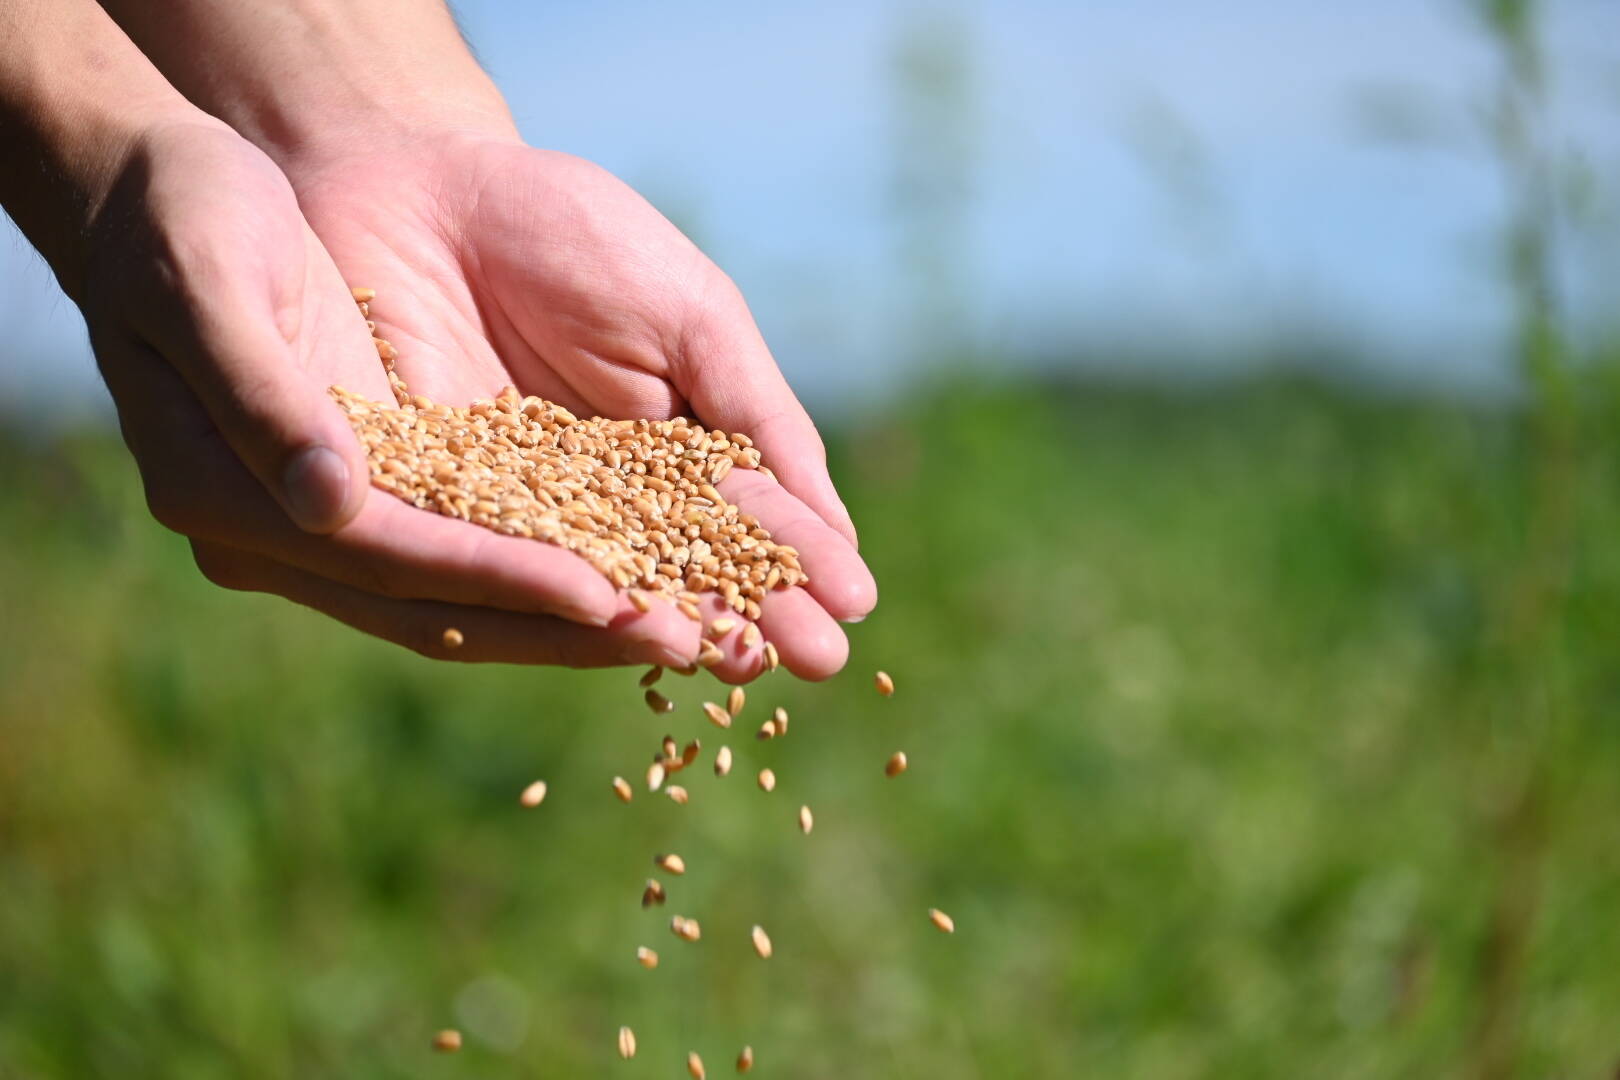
[(646, 957), (453, 638), (896, 764), (677, 793), (745, 1060), (634, 498), (941, 921), (627, 1043), (658, 703), (655, 776), (694, 1066), (750, 636), (767, 780), (654, 673), (709, 654), (767, 730), (807, 820), (621, 788), (779, 720), (533, 795), (736, 700), (762, 942), (773, 659), (717, 716), (722, 761), (685, 929), (671, 863), (447, 1041), (653, 893), (640, 601), (884, 684)]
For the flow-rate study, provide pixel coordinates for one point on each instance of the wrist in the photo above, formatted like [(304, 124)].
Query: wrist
[(383, 133), (311, 81)]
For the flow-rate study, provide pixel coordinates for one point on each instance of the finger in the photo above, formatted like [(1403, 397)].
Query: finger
[(239, 327), (732, 382), (739, 660), (390, 548), (484, 636), (839, 579), (811, 643)]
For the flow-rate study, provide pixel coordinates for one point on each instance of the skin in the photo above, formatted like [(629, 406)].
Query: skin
[(361, 144)]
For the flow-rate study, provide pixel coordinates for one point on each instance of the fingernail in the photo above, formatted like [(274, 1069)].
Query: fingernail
[(315, 484), (589, 618), (655, 652), (853, 619)]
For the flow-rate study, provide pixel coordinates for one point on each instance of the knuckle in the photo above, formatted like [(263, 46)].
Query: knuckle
[(172, 509), (218, 568)]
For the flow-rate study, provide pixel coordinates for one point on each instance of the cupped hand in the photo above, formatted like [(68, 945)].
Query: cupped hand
[(498, 263), (219, 321)]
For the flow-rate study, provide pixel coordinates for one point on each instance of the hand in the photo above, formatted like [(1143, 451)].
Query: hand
[(219, 322), (497, 263)]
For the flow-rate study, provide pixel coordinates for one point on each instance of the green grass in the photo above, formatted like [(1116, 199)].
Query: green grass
[(1258, 733)]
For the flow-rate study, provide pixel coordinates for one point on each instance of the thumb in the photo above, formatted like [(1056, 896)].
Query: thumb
[(274, 412)]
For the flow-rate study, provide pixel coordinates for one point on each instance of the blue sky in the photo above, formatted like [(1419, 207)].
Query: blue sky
[(767, 129)]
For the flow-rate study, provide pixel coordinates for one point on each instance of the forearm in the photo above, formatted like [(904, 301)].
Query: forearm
[(75, 94), (306, 79)]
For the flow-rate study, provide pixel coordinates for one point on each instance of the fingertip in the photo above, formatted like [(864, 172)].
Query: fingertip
[(809, 641), (850, 596), (818, 655), (660, 631), (318, 490), (597, 603)]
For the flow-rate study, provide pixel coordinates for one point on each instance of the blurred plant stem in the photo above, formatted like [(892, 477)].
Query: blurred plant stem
[(936, 136), (1523, 690)]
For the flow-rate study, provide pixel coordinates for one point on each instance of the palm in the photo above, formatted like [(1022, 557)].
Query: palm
[(499, 264), (516, 266)]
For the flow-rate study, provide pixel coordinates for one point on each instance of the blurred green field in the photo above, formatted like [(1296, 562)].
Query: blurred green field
[(1257, 732)]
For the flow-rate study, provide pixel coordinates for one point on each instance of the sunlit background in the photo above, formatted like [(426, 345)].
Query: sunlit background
[(1229, 397)]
